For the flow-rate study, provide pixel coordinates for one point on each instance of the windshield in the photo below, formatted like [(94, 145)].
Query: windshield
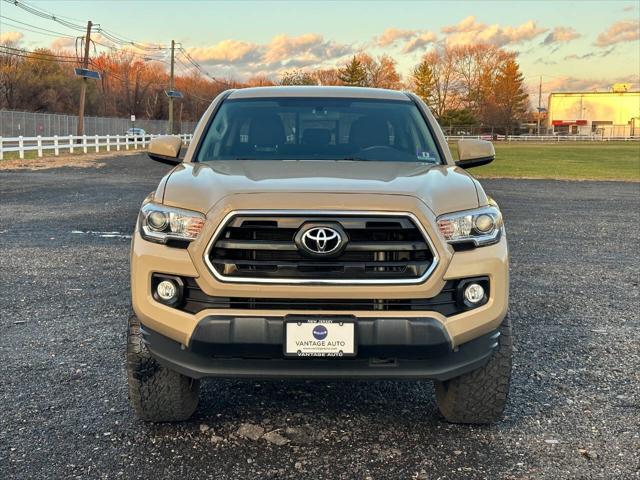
[(318, 129)]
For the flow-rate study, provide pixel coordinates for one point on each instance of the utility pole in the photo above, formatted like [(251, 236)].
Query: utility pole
[(173, 45), (539, 103), (83, 85)]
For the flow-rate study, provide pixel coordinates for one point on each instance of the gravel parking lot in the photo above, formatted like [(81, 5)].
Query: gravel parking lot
[(574, 409)]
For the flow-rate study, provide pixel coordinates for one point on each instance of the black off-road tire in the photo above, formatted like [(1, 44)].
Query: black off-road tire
[(156, 393), (479, 396)]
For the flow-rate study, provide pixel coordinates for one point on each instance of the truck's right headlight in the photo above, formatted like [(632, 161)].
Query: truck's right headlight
[(161, 224), (481, 226)]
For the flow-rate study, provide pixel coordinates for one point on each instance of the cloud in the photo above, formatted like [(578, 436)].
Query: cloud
[(622, 31), (392, 35), (545, 61), (560, 35), (8, 38), (61, 43), (412, 39), (599, 54), (469, 31), (227, 52), (304, 49), (629, 8), (574, 84), (282, 52), (418, 42)]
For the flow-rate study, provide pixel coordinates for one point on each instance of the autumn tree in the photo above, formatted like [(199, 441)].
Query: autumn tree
[(297, 77), (463, 85), (327, 76), (353, 74), (510, 100), (444, 94), (259, 81), (10, 78), (475, 67), (380, 72)]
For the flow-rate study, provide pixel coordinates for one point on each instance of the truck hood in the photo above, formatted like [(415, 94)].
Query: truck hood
[(199, 186)]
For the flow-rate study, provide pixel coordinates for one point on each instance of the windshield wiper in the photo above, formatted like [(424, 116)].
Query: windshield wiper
[(357, 159)]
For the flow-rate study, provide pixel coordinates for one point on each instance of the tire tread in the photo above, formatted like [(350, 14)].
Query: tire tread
[(479, 397)]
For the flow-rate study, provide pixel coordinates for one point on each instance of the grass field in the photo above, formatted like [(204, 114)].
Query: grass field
[(575, 161), (570, 161)]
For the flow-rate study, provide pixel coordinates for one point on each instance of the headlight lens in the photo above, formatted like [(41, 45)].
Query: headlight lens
[(482, 226), (160, 224)]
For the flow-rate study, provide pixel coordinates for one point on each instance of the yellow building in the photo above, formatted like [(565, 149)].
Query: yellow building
[(610, 114)]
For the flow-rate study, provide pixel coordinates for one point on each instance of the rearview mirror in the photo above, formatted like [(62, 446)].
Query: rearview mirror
[(473, 153), (165, 149)]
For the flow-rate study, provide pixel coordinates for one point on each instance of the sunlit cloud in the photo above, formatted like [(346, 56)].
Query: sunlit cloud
[(10, 38), (307, 48), (560, 35), (619, 32), (226, 52), (418, 42), (393, 35), (62, 43), (575, 84), (235, 57), (470, 31)]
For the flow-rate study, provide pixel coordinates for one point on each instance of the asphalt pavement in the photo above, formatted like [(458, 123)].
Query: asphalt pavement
[(574, 407)]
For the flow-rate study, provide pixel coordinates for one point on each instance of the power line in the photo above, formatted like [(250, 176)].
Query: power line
[(144, 56), (113, 37), (198, 66), (37, 55), (45, 54), (44, 14), (50, 32)]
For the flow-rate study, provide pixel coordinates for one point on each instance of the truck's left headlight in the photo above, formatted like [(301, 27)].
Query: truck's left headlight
[(161, 224), (481, 226)]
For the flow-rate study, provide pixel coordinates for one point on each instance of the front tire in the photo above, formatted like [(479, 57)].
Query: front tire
[(156, 393), (479, 396)]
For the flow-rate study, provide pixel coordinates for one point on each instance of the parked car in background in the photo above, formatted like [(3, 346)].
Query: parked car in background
[(136, 134)]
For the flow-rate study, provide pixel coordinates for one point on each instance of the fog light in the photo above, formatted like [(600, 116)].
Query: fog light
[(167, 291), (474, 293)]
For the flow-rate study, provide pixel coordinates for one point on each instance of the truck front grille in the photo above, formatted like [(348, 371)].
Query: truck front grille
[(445, 302), (379, 249)]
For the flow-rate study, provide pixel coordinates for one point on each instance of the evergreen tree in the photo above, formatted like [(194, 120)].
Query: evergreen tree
[(510, 98), (424, 82), (354, 74)]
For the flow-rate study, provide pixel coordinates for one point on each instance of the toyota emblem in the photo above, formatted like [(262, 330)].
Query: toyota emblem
[(321, 239)]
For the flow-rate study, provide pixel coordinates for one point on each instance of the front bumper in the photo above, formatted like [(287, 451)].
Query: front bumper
[(388, 348)]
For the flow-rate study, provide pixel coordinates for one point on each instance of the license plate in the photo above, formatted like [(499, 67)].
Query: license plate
[(324, 337)]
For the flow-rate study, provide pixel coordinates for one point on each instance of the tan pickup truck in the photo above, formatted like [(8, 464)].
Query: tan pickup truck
[(319, 232)]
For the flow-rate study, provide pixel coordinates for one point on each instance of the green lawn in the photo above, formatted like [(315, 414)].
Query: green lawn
[(575, 161)]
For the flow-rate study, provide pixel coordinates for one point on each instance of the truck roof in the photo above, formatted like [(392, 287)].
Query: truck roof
[(317, 91)]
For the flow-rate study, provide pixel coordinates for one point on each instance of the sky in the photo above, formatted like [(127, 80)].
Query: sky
[(572, 45)]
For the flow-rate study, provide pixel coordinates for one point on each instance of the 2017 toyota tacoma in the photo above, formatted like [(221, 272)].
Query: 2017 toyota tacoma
[(319, 232)]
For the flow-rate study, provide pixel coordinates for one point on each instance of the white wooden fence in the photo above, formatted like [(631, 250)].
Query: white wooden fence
[(74, 143), (544, 138), (96, 143)]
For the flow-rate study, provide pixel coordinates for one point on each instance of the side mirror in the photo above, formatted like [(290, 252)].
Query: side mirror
[(165, 150), (473, 153)]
